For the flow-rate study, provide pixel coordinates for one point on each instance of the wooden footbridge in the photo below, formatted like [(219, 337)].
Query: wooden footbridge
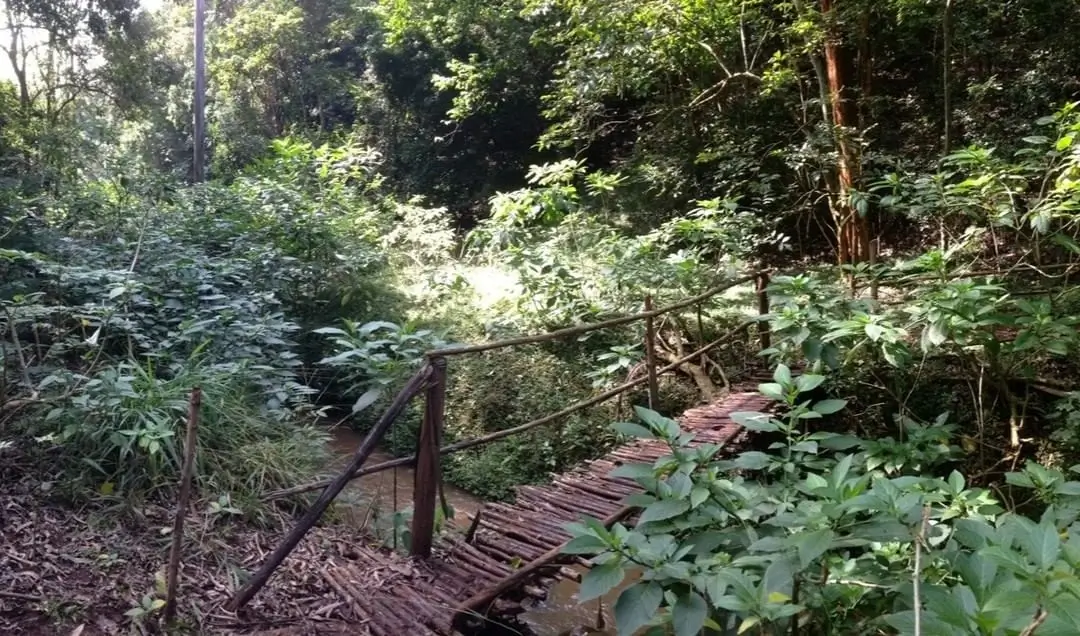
[(448, 584)]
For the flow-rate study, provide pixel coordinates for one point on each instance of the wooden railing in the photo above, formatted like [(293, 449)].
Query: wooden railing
[(430, 379)]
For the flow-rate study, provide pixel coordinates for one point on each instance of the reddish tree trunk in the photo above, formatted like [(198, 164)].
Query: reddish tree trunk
[(852, 228)]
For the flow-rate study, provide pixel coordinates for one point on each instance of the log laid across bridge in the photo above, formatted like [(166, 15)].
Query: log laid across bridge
[(389, 594)]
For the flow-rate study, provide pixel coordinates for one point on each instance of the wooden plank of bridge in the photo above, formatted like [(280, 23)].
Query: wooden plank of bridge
[(389, 594)]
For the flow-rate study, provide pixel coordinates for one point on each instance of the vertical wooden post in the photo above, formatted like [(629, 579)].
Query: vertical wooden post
[(426, 480), (198, 160), (650, 355), (187, 473), (763, 310)]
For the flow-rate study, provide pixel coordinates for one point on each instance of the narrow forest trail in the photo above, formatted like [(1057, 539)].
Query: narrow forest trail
[(388, 594)]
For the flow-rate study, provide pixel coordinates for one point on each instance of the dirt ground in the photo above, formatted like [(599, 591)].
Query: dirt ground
[(82, 572)]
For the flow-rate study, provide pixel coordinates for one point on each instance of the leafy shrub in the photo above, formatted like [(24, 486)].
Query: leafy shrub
[(501, 389), (123, 432), (803, 535)]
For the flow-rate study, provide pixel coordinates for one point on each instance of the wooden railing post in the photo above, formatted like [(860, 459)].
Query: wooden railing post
[(763, 310), (650, 355), (426, 480)]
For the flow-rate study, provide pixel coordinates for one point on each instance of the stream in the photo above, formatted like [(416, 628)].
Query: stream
[(557, 615)]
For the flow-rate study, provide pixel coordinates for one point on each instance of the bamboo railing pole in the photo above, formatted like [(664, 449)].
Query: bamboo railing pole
[(650, 355), (580, 329), (491, 437), (333, 488), (187, 474), (427, 474)]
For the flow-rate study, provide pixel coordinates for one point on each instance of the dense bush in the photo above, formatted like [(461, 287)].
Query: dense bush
[(501, 389), (808, 537)]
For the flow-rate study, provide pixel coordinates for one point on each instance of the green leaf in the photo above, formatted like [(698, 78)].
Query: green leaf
[(808, 382), (937, 333), (633, 430), (698, 496), (367, 399), (772, 391), (1044, 544), (330, 331), (753, 421), (599, 580), (779, 577), (664, 509), (689, 614), (680, 484), (659, 424), (782, 375), (637, 605), (1008, 559), (633, 471), (752, 460), (585, 544), (748, 623), (811, 545), (828, 407)]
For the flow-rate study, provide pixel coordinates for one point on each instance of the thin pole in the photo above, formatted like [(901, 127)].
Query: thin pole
[(585, 328), (427, 476), (198, 167), (650, 354), (186, 475)]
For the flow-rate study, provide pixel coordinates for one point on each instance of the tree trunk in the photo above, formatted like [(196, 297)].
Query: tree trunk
[(946, 80), (852, 227)]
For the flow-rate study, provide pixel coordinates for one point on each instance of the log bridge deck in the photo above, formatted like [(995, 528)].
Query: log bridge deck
[(392, 595)]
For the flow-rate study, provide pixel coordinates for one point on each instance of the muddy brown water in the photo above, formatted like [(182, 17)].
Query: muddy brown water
[(559, 613)]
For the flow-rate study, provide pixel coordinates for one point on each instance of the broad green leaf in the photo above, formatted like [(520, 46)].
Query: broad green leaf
[(828, 407), (585, 544), (599, 580), (937, 333), (689, 614), (1044, 544), (782, 375), (680, 484), (632, 471), (698, 496), (1008, 559), (330, 331), (376, 325), (753, 421), (633, 430), (636, 606), (811, 545), (779, 577), (748, 623), (657, 423), (808, 382), (772, 391), (752, 460), (370, 397), (664, 509)]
